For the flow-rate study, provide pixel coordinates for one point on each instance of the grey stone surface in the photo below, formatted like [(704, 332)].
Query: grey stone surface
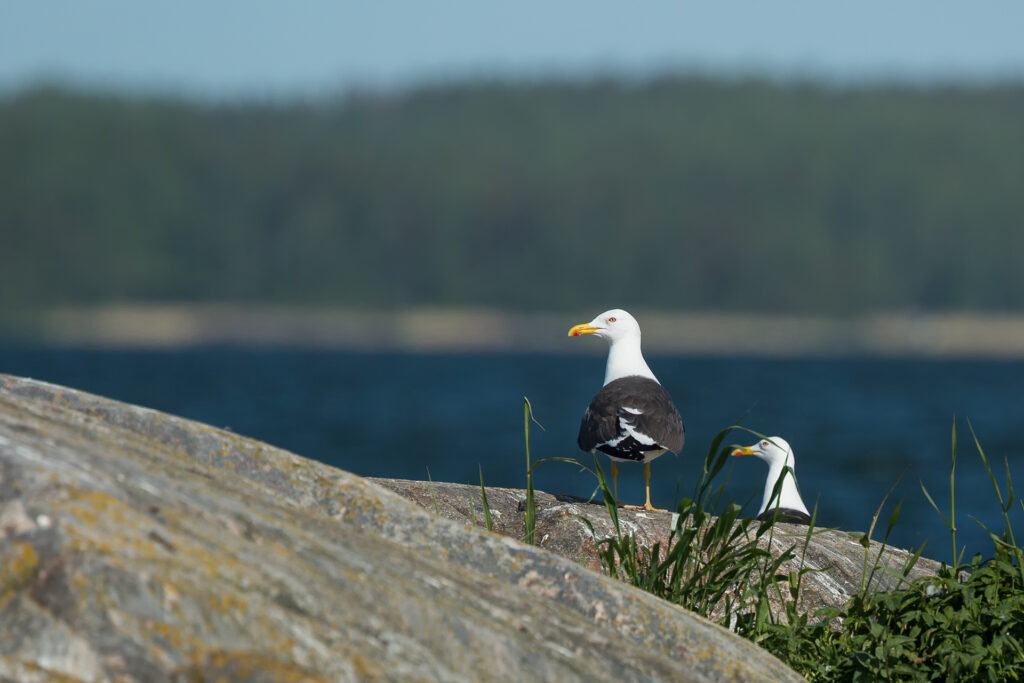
[(137, 546), (837, 558)]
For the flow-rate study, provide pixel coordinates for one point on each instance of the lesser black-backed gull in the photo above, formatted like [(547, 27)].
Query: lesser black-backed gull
[(788, 506), (632, 418)]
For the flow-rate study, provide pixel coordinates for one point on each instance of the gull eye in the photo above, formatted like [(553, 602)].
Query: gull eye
[(611, 320), (764, 443)]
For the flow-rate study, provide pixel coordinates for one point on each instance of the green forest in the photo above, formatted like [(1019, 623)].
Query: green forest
[(677, 193)]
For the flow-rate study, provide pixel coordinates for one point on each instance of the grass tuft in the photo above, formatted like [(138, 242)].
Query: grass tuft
[(530, 513), (965, 623), (530, 518), (433, 493), (483, 499), (712, 564)]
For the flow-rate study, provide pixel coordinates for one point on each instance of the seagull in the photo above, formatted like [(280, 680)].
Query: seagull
[(632, 418), (787, 506)]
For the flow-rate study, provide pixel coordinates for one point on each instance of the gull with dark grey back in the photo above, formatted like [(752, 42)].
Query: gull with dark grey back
[(632, 418)]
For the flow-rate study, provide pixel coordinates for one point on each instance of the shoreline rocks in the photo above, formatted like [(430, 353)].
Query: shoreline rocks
[(836, 557), (135, 545)]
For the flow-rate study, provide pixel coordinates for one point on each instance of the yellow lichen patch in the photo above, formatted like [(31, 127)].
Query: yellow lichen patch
[(102, 523), (88, 505), (236, 665), (365, 669), (226, 602), (105, 524), (175, 638), (30, 672), (18, 568), (170, 595)]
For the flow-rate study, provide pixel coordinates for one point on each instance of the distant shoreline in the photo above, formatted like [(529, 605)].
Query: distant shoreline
[(424, 330)]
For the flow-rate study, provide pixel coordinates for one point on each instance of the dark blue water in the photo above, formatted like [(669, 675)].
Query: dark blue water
[(857, 426)]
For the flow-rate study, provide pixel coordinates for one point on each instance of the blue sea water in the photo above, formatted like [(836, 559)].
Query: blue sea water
[(858, 426)]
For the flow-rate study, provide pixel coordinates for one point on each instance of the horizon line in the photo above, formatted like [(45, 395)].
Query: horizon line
[(426, 329)]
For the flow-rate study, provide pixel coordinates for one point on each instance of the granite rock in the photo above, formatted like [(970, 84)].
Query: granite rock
[(837, 558), (138, 546)]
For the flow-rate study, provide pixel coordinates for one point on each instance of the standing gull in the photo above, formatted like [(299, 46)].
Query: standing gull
[(632, 418), (788, 506)]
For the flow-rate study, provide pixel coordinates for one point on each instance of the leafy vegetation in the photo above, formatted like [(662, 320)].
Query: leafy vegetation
[(711, 562), (953, 627), (859, 198), (966, 623)]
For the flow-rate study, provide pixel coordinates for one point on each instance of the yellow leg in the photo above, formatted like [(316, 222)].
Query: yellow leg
[(615, 483), (647, 483)]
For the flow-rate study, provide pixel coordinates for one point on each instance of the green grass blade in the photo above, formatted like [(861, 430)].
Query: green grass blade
[(530, 515), (1010, 497), (571, 461), (952, 501), (865, 578), (609, 500), (433, 493), (483, 498), (935, 507)]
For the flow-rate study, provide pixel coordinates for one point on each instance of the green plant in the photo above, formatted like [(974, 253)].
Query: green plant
[(965, 623), (711, 564), (867, 576), (530, 519), (433, 493), (483, 499), (530, 513), (951, 521)]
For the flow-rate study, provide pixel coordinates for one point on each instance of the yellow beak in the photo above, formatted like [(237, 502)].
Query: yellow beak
[(582, 328), (744, 451)]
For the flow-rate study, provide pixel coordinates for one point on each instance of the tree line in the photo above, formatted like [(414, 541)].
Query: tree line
[(676, 193)]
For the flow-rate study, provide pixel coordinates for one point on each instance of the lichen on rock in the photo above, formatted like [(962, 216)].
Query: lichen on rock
[(172, 550)]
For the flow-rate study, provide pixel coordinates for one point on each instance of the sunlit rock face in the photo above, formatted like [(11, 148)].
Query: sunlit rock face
[(836, 558), (139, 546)]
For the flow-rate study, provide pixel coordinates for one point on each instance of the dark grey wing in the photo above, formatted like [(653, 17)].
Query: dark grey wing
[(640, 401), (652, 411), (598, 426), (660, 420)]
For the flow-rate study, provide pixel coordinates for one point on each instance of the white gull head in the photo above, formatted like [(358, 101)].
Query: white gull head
[(623, 334), (779, 455)]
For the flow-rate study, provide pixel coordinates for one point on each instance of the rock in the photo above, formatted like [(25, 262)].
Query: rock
[(836, 557), (137, 546)]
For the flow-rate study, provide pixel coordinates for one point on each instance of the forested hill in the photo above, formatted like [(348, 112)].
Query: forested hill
[(673, 194)]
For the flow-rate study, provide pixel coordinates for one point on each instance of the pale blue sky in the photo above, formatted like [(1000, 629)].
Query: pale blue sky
[(306, 47)]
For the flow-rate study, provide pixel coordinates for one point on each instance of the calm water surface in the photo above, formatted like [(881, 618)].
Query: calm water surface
[(857, 426)]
